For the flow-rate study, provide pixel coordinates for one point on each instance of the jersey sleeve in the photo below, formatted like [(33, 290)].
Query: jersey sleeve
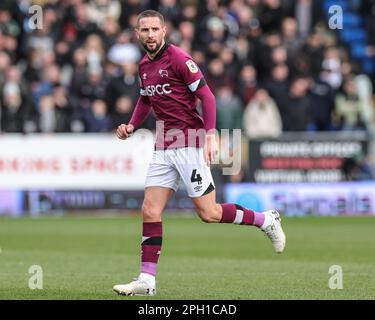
[(189, 71), (141, 111), (142, 108), (142, 90)]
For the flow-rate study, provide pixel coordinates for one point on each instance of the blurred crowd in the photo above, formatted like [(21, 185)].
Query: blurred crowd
[(274, 66)]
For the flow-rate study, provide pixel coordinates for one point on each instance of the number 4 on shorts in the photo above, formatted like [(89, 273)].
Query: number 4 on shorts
[(196, 177)]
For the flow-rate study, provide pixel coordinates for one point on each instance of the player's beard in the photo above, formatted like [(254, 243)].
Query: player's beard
[(157, 47)]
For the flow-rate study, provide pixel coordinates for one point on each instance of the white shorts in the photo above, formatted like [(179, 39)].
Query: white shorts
[(169, 166)]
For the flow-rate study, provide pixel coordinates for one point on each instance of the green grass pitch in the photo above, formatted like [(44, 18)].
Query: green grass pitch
[(83, 257)]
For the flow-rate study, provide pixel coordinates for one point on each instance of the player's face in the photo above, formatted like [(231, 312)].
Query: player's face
[(151, 33)]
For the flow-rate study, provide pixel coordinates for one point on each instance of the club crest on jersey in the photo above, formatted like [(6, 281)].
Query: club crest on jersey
[(163, 73), (192, 66), (144, 76)]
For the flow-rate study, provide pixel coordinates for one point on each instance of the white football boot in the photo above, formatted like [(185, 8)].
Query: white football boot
[(272, 228), (138, 287)]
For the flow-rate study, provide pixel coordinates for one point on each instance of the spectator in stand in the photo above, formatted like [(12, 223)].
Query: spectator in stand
[(129, 10), (216, 76), (290, 39), (322, 100), (229, 109), (126, 83), (34, 68), (364, 87), (93, 88), (51, 78), (79, 74), (9, 34), (278, 85), (82, 25), (4, 65), (304, 16), (15, 101), (200, 59), (12, 108), (62, 59), (47, 114), (99, 11), (244, 50), (189, 11), (7, 24), (296, 107), (243, 16), (186, 31), (247, 84), (271, 15), (124, 50), (122, 111), (62, 109), (95, 53), (183, 36), (78, 78), (264, 54), (111, 30), (312, 52), (331, 66), (261, 117), (171, 11), (348, 107), (230, 64), (96, 117), (232, 22), (255, 34), (279, 55), (215, 36)]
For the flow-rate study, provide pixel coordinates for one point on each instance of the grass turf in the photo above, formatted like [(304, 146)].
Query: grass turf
[(83, 257)]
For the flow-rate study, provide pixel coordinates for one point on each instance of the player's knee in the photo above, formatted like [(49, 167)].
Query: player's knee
[(150, 213)]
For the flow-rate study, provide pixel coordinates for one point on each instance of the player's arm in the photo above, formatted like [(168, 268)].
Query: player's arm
[(207, 98), (141, 111), (193, 77)]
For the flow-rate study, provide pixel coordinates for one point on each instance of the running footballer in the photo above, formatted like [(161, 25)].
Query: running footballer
[(171, 84)]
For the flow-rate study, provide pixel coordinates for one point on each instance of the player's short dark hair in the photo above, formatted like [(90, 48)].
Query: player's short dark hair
[(149, 14)]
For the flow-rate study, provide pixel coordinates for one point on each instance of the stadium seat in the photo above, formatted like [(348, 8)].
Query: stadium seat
[(350, 35), (358, 50), (351, 20), (342, 3), (368, 65)]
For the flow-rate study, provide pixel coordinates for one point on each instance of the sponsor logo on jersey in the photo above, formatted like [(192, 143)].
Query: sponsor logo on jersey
[(159, 89), (192, 66), (163, 73)]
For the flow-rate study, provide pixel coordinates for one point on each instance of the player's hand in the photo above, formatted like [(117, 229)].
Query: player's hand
[(210, 149), (124, 131)]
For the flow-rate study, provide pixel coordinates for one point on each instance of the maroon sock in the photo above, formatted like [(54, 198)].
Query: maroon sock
[(234, 213), (151, 246)]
